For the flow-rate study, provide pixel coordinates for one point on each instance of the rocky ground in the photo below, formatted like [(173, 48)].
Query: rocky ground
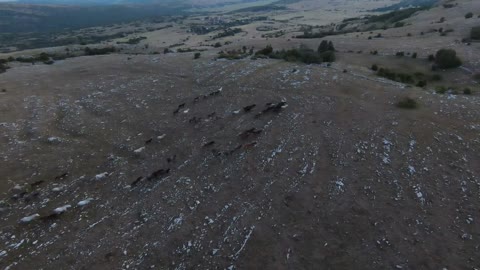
[(163, 162)]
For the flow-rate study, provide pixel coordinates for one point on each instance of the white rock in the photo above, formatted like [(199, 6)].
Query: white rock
[(57, 189), (29, 218), (161, 136), (54, 139)]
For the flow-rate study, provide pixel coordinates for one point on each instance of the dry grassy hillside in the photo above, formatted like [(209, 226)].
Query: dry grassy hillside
[(141, 159)]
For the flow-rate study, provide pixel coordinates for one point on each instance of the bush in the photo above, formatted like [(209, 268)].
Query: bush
[(407, 103), (99, 51), (422, 83), (400, 54), (328, 56), (265, 51), (374, 67), (196, 55), (468, 15), (414, 55), (431, 57), (467, 91), (475, 33), (217, 45), (447, 58)]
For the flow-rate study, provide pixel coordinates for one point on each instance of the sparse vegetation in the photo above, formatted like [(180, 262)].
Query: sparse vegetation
[(475, 33), (132, 41), (324, 53), (407, 103), (99, 51)]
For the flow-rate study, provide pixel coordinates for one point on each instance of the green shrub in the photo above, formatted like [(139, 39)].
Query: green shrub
[(196, 55), (217, 45), (374, 67), (447, 58), (468, 15), (467, 91), (407, 103), (414, 55), (99, 51), (328, 56)]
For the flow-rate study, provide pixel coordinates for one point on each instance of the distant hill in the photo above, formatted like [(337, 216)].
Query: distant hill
[(49, 18)]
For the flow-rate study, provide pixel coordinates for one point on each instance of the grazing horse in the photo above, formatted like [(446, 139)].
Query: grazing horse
[(210, 143), (249, 108), (248, 132)]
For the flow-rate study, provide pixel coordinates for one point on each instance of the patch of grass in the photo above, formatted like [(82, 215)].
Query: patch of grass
[(407, 103)]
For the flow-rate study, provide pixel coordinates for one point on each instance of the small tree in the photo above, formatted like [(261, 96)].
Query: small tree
[(447, 58)]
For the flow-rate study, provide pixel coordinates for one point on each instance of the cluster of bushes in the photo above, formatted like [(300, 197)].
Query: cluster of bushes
[(394, 76), (309, 34), (236, 54), (132, 41), (99, 51), (452, 90), (418, 78), (227, 32), (324, 53)]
